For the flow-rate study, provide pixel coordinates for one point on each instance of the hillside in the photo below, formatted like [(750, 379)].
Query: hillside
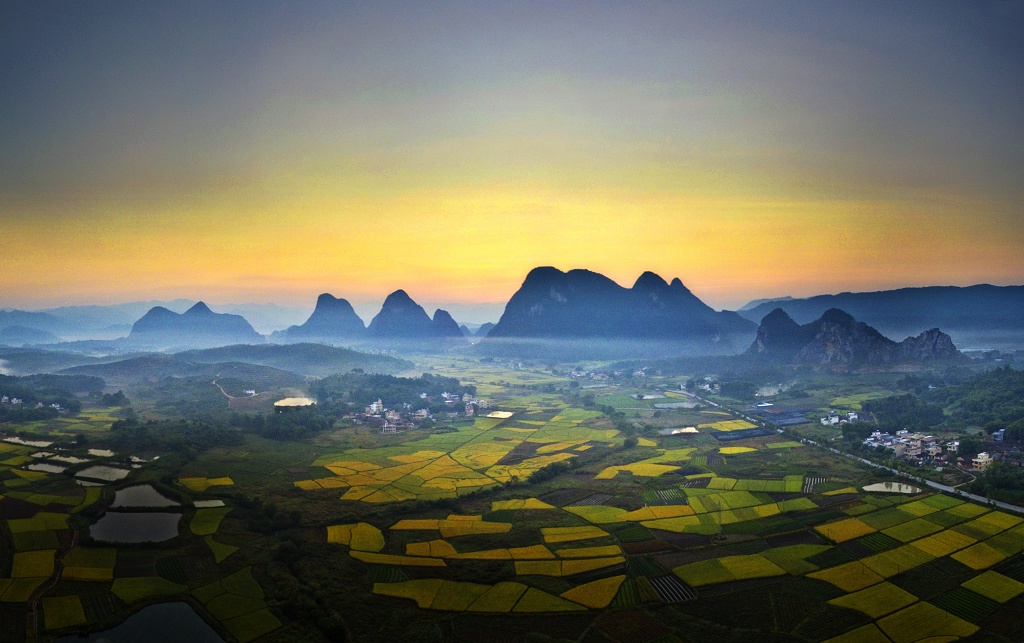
[(313, 360)]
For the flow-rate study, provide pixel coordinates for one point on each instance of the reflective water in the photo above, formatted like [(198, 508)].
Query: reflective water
[(142, 496), (892, 487), (100, 472), (161, 623), (117, 527)]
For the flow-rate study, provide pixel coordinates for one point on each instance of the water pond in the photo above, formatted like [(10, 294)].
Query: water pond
[(153, 526), (892, 487), (47, 468), (160, 623), (199, 504), (142, 496), (100, 472)]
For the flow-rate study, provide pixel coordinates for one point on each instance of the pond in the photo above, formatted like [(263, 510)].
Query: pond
[(160, 623), (47, 468), (101, 453), (295, 401), (199, 504), (39, 444), (892, 487), (678, 431), (100, 472), (70, 459), (142, 496), (118, 527)]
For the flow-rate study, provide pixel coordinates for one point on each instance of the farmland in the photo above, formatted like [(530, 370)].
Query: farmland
[(552, 521)]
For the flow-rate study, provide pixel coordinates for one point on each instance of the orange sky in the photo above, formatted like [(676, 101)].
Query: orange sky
[(362, 150)]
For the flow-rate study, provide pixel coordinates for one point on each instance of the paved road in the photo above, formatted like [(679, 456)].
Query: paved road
[(934, 485)]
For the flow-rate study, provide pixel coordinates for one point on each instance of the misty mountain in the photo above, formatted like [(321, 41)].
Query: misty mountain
[(837, 339), (333, 320), (401, 318), (198, 326), (35, 320), (22, 335), (959, 311), (483, 330), (585, 304), (757, 302)]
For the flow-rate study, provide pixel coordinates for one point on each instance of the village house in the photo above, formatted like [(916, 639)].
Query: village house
[(981, 461)]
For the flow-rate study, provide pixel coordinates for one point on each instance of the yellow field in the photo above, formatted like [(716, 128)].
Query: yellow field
[(564, 567), (391, 559), (422, 591), (63, 611), (535, 600), (896, 561), (728, 425), (843, 530), (943, 543), (595, 595), (33, 564), (995, 586), (921, 621), (735, 450), (501, 597), (202, 484), (528, 503), (876, 601), (848, 577), (589, 552), (979, 556)]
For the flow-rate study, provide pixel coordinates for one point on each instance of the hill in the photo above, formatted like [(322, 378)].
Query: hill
[(585, 304), (313, 360), (333, 320), (837, 339), (196, 327), (401, 320), (21, 335), (970, 314)]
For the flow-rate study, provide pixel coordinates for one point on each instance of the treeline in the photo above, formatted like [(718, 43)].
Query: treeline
[(993, 400), (904, 412), (46, 390), (1001, 481), (295, 424), (183, 436), (358, 390)]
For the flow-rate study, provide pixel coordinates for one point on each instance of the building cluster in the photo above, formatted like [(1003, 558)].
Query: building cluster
[(915, 447), (833, 418), (17, 401), (394, 420)]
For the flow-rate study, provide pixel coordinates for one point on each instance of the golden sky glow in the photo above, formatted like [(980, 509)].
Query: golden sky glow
[(761, 160)]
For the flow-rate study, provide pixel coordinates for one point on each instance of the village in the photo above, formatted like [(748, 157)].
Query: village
[(394, 420)]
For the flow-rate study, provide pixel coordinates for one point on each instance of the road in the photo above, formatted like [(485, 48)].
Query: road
[(934, 485)]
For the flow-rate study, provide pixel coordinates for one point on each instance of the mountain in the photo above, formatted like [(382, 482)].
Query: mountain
[(401, 318), (465, 331), (584, 304), (483, 330), (971, 315), (36, 320), (198, 326), (21, 335), (443, 325), (837, 339), (332, 320), (757, 302)]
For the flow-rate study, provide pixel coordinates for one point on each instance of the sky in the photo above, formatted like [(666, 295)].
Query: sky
[(268, 151)]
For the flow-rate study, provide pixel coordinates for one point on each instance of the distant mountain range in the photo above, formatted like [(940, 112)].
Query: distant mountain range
[(960, 311), (197, 326), (837, 339), (22, 335), (585, 304)]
